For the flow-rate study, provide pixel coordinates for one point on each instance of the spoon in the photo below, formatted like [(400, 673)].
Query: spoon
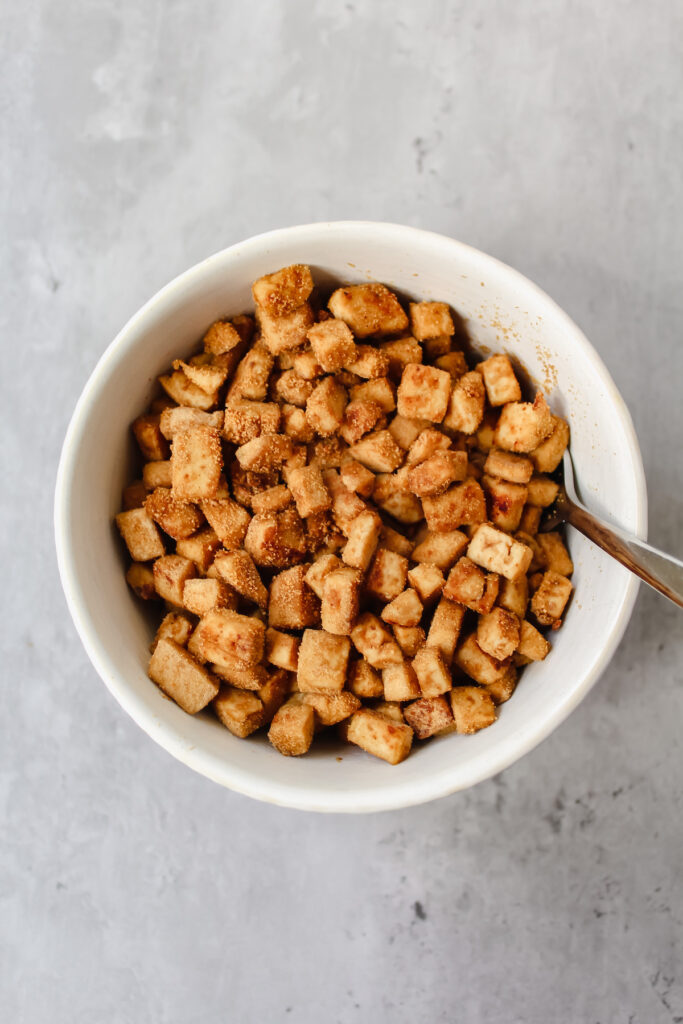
[(661, 571)]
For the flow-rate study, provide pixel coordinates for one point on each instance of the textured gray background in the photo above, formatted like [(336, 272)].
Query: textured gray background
[(136, 138)]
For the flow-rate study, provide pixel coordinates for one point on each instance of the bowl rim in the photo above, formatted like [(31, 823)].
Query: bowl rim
[(418, 791)]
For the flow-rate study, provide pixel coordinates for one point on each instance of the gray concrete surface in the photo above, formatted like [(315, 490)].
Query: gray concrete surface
[(136, 139)]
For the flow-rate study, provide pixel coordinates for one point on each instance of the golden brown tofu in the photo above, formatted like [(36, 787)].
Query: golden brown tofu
[(548, 455), (430, 320), (196, 463), (140, 534), (151, 441), (550, 599), (532, 646), (265, 453), (323, 661), (362, 541), (541, 491), (357, 478), (174, 626), (283, 291), (237, 569), (274, 693), (378, 451), (400, 352), (280, 333), (513, 595), (276, 540), (499, 380), (134, 495), (523, 425), (498, 552), (170, 575), (515, 468), (295, 424), (391, 495), (325, 407), (445, 628), (360, 416), (180, 677), (201, 595), (400, 682), (292, 727), (404, 610), (221, 337), (228, 520), (555, 555), (477, 664), (429, 716), (238, 710), (387, 575), (225, 636), (332, 344), (460, 505), (364, 681), (428, 443), (332, 708), (250, 379), (470, 586), (498, 633), (423, 393), (176, 518), (372, 639), (473, 709), (453, 363), (292, 605), (505, 502), (282, 649), (466, 405), (437, 473), (378, 735), (341, 598), (200, 548), (140, 578), (371, 364), (405, 431), (274, 499), (530, 520), (427, 579), (502, 689), (181, 389), (244, 420), (244, 677), (157, 474), (181, 418), (206, 375), (309, 491), (432, 672), (409, 638), (291, 389), (368, 309), (316, 573), (392, 540), (441, 549)]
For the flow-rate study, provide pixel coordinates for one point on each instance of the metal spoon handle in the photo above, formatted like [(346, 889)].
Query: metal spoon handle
[(661, 571)]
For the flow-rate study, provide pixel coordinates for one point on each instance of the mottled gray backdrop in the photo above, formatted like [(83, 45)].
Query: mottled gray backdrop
[(137, 138)]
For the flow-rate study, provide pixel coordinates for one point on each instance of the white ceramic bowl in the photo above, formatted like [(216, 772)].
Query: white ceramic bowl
[(503, 311)]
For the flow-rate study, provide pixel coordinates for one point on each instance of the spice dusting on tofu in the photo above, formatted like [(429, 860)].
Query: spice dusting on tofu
[(338, 517)]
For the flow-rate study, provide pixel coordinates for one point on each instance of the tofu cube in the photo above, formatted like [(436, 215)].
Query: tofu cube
[(306, 365), (515, 468), (469, 585), (180, 677), (368, 309), (429, 716), (436, 473), (357, 478), (239, 711), (409, 638), (499, 380), (200, 548), (554, 554), (176, 518), (325, 407), (360, 416), (170, 575), (333, 345), (549, 601), (222, 337), (387, 576), (531, 519), (391, 495), (432, 672), (523, 425), (280, 333), (378, 451), (292, 727), (196, 463), (427, 579), (473, 709), (134, 495), (498, 552), (426, 444), (182, 390), (404, 610), (400, 682), (151, 441), (323, 661), (477, 664), (541, 491), (174, 626), (332, 708), (513, 595), (430, 320), (392, 540), (309, 491), (440, 549), (502, 689), (244, 420), (454, 363), (372, 639), (378, 735), (274, 693), (548, 455), (237, 569), (200, 596), (363, 538), (140, 578), (274, 499), (295, 424), (276, 540), (400, 352), (181, 418), (466, 404), (244, 677), (157, 474), (292, 604), (341, 599), (201, 371), (225, 636), (505, 502), (251, 375), (462, 504), (423, 393), (228, 520), (291, 389), (264, 453), (532, 646), (405, 430), (498, 633), (282, 649), (445, 628), (141, 535), (364, 681), (316, 573), (283, 291)]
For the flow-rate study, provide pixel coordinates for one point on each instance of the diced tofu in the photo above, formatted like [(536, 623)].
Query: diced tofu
[(392, 540), (441, 549), (387, 576), (264, 453), (469, 585), (181, 418), (180, 677), (431, 671), (515, 468), (498, 552), (274, 499), (363, 539), (333, 345), (280, 333), (196, 463), (140, 578), (244, 677), (157, 474), (134, 495), (309, 491), (502, 689), (477, 664), (323, 660), (200, 596), (327, 453), (430, 319), (405, 431), (341, 598), (550, 599), (391, 495), (176, 518), (292, 389), (251, 375), (436, 473), (228, 520), (548, 455), (357, 478), (554, 553), (184, 392), (409, 638), (282, 649), (435, 348), (532, 646), (390, 709), (466, 405), (498, 633), (368, 362), (445, 628), (170, 574), (372, 639), (225, 636), (429, 716), (473, 709), (531, 519), (151, 441), (427, 579), (360, 416), (200, 548), (316, 573), (274, 693), (426, 444), (400, 352), (380, 391), (332, 708), (400, 682), (404, 610), (283, 291), (364, 681), (368, 309), (206, 375), (140, 534), (523, 425), (244, 420), (378, 452), (541, 491), (239, 711), (221, 337), (237, 569), (174, 626), (378, 735), (505, 502), (292, 727), (295, 424), (292, 604), (499, 380), (276, 540), (462, 504), (423, 393), (513, 595), (325, 407), (454, 363)]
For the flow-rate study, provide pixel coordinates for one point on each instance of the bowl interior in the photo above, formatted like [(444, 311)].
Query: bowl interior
[(503, 311)]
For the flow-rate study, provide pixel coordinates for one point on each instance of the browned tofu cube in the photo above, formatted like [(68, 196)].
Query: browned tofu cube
[(360, 416), (427, 579), (368, 309), (306, 365), (454, 363), (429, 716), (441, 549), (283, 291), (265, 453), (445, 628), (323, 660), (180, 677), (548, 455), (432, 673), (244, 420), (288, 331), (405, 431), (428, 443), (274, 693), (541, 491), (244, 677), (282, 649), (473, 709), (140, 534), (200, 596), (309, 491), (325, 407), (430, 319), (515, 468), (340, 603), (469, 585), (372, 639), (531, 519), (196, 463), (498, 633), (291, 389), (550, 599), (292, 727), (157, 474), (225, 636), (477, 664), (221, 337), (523, 425), (333, 345), (380, 390), (400, 352), (377, 734), (332, 708), (237, 569), (239, 711), (316, 573), (200, 548), (292, 605), (555, 555), (409, 638), (404, 610), (532, 646), (151, 441), (435, 348), (357, 478), (391, 495), (295, 424), (378, 451), (363, 539), (436, 473), (498, 552), (505, 502), (423, 393), (140, 578), (274, 499), (387, 576), (276, 540), (346, 507), (134, 495), (170, 575), (228, 520), (185, 392), (499, 379), (466, 405), (392, 540), (250, 379), (502, 689), (461, 505), (176, 518), (400, 682), (181, 418), (513, 595), (364, 681), (174, 626), (202, 372)]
